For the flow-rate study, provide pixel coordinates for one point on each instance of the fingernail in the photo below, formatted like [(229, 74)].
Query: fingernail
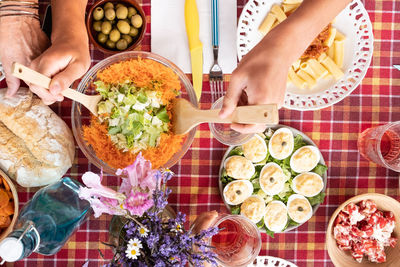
[(55, 89), (59, 98)]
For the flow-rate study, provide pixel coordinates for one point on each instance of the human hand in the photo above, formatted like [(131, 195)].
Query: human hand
[(66, 60), (204, 221), (21, 40), (260, 78)]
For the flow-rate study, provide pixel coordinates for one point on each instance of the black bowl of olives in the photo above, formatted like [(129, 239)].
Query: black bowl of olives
[(115, 26)]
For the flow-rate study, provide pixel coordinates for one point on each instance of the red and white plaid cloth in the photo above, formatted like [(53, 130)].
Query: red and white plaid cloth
[(334, 129)]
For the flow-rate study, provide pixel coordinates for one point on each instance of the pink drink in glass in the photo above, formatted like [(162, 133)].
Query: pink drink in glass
[(382, 145), (239, 241)]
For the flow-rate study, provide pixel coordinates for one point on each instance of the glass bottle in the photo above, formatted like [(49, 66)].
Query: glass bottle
[(47, 221)]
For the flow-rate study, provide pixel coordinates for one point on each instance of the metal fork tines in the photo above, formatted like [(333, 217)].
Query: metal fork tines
[(216, 79), (216, 76)]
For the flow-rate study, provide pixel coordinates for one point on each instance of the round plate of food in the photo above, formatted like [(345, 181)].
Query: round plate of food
[(331, 67), (277, 179)]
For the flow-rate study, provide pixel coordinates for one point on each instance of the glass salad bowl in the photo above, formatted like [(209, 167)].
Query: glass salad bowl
[(80, 116)]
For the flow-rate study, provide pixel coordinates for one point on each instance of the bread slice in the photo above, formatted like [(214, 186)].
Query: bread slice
[(37, 147)]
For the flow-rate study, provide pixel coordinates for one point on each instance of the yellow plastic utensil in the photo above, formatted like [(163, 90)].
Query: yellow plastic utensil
[(192, 22)]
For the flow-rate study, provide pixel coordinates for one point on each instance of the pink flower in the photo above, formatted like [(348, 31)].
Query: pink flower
[(102, 199), (138, 203), (139, 174)]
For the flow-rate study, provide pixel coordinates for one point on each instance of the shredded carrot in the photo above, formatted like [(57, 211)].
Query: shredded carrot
[(143, 73)]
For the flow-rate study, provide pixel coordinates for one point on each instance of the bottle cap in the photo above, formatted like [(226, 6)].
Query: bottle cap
[(11, 249)]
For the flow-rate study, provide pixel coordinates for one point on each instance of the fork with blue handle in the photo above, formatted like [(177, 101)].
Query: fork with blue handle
[(216, 76)]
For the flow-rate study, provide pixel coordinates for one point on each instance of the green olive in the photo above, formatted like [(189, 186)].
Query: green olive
[(137, 21), (122, 12), (106, 27), (119, 5), (108, 5), (110, 14), (102, 38), (110, 44), (133, 32), (97, 26), (122, 44), (131, 12), (115, 35), (98, 13), (127, 37), (123, 27)]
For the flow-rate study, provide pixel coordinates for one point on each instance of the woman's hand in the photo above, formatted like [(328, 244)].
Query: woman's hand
[(204, 221), (21, 40), (66, 60), (260, 78)]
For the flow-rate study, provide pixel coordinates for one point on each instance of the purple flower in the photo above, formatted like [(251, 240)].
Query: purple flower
[(137, 203)]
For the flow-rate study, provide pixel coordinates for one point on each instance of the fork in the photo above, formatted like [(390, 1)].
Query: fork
[(216, 76)]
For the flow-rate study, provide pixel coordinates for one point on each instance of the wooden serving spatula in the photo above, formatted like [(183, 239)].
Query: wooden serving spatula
[(185, 116), (30, 76)]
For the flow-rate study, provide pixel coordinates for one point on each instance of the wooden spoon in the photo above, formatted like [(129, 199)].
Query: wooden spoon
[(30, 76), (185, 116)]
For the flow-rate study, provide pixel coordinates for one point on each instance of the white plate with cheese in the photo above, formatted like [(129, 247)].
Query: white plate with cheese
[(353, 24)]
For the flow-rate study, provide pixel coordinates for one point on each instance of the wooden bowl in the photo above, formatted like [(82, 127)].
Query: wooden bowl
[(5, 232), (93, 34), (343, 258)]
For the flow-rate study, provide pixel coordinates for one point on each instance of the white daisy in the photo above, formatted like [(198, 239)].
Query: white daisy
[(143, 231), (132, 252), (178, 228), (135, 243)]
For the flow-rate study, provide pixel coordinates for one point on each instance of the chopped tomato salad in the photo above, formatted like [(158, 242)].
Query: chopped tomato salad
[(365, 230)]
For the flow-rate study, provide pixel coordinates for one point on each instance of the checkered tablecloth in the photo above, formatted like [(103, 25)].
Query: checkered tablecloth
[(335, 130)]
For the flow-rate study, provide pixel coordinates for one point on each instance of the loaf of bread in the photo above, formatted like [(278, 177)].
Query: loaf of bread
[(36, 146)]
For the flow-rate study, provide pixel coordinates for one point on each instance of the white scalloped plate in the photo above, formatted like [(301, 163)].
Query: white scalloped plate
[(268, 261), (353, 22)]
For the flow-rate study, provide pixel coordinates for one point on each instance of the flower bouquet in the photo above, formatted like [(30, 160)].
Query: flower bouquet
[(149, 239)]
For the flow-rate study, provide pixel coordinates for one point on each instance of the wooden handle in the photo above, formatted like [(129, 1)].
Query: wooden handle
[(264, 114), (30, 76)]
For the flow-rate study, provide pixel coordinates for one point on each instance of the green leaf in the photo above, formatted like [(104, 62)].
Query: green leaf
[(142, 98), (114, 130), (269, 232), (235, 210), (317, 199), (292, 223), (237, 151), (260, 224), (298, 142), (256, 184), (320, 169), (163, 115)]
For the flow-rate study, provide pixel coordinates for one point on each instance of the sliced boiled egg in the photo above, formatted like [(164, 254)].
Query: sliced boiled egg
[(253, 208), (272, 179), (276, 216), (299, 208), (305, 159), (281, 144), (255, 149), (237, 191), (308, 184), (239, 167)]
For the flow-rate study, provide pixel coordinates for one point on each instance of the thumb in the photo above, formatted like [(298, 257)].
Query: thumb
[(65, 78), (232, 96), (13, 84)]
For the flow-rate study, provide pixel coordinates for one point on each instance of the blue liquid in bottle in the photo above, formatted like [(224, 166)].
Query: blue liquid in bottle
[(47, 221)]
